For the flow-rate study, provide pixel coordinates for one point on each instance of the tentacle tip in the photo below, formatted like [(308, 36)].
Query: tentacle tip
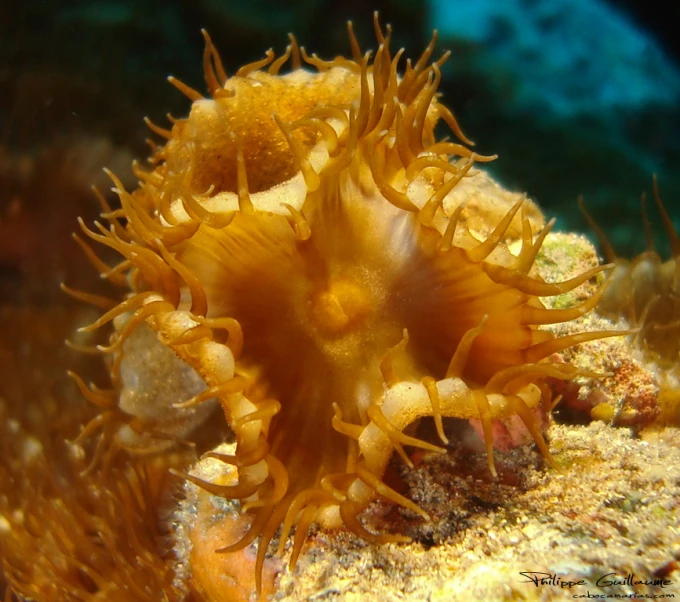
[(492, 469), (178, 473), (183, 405), (425, 516), (553, 463)]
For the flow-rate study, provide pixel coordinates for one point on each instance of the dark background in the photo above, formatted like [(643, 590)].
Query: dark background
[(82, 74)]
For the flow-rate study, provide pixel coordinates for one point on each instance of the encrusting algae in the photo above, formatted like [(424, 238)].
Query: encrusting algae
[(297, 245)]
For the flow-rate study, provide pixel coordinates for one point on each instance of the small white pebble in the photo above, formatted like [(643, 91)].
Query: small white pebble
[(531, 531), (655, 472), (470, 555)]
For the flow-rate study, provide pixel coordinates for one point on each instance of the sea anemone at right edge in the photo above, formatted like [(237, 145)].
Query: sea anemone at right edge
[(644, 292), (294, 259)]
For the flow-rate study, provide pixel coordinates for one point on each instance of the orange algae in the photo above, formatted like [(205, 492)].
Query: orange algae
[(296, 246)]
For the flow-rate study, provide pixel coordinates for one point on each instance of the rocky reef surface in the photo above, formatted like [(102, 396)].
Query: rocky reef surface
[(611, 513)]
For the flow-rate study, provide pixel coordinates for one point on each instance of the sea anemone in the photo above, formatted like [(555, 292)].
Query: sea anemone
[(296, 245), (66, 535), (75, 537), (645, 292)]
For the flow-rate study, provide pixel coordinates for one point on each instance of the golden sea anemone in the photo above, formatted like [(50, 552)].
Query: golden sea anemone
[(645, 291), (66, 535), (296, 245)]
